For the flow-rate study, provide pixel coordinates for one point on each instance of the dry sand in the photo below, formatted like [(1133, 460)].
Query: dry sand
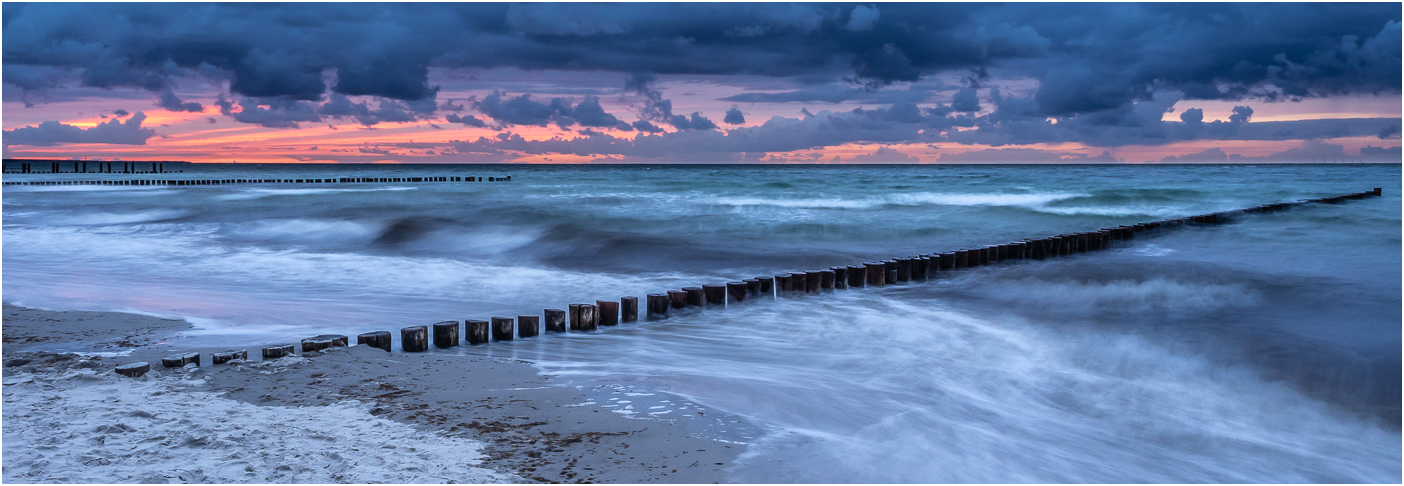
[(501, 414)]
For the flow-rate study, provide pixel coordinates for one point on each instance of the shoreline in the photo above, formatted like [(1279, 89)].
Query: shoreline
[(527, 425)]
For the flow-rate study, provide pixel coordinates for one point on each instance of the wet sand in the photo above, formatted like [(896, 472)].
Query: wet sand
[(528, 425)]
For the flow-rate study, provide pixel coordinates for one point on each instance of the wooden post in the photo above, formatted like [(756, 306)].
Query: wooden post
[(608, 312), (476, 331), (962, 259), (715, 294), (827, 280), (1378, 191), (736, 292), (313, 344), (857, 276), (574, 316), (890, 267), (784, 283), (280, 351), (629, 309), (503, 328), (445, 334), (678, 298), (904, 269), (134, 370), (589, 317), (694, 296), (180, 360), (528, 326), (876, 272), (556, 320), (753, 287), (919, 265), (377, 339), (813, 281), (414, 339), (227, 356), (657, 306), (767, 285), (840, 277), (799, 282)]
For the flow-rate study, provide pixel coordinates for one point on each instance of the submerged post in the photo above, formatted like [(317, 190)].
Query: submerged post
[(657, 306), (715, 294)]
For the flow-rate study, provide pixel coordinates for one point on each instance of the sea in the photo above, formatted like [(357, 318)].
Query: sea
[(1264, 349)]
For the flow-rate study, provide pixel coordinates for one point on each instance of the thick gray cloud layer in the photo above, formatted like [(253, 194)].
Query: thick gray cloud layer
[(1089, 56), (1099, 67)]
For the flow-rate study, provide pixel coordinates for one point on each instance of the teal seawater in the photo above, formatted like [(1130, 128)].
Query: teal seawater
[(1263, 350)]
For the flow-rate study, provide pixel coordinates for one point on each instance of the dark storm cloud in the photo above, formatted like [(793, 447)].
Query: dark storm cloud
[(1241, 114), (1192, 115), (1091, 57), (51, 133)]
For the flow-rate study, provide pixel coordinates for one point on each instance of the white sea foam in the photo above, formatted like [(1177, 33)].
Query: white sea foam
[(102, 219), (908, 199), (86, 427), (262, 193)]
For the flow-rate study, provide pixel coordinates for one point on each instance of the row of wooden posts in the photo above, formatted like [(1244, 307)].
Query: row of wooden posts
[(220, 182), (98, 167), (588, 317)]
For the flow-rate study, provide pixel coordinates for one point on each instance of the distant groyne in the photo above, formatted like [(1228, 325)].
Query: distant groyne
[(221, 182)]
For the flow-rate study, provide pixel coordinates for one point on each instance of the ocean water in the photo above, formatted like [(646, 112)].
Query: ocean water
[(1266, 349)]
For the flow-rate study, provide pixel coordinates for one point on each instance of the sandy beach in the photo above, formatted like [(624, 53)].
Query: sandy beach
[(354, 414)]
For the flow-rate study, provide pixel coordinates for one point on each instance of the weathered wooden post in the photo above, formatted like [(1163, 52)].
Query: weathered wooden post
[(945, 261), (1378, 191), (180, 360), (502, 328), (857, 276), (767, 286), (840, 277), (889, 267), (715, 294), (919, 265), (337, 340), (414, 339), (629, 311), (528, 326), (962, 259), (904, 269), (477, 331), (445, 334), (783, 283), (589, 317), (736, 291), (555, 320), (377, 339), (827, 280), (753, 287), (678, 298), (657, 306), (693, 297), (279, 351), (813, 281), (608, 312), (574, 316), (876, 272), (133, 370), (313, 344), (799, 282), (227, 356)]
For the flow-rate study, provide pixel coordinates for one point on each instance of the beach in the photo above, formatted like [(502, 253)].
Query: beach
[(1264, 348), (352, 414)]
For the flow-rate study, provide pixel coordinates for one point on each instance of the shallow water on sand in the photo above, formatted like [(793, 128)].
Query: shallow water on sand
[(1264, 350)]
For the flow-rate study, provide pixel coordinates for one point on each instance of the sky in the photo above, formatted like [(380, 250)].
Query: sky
[(703, 82)]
